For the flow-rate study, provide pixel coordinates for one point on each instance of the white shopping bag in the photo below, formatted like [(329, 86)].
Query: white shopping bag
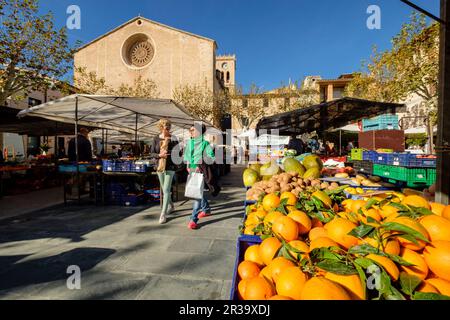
[(194, 186)]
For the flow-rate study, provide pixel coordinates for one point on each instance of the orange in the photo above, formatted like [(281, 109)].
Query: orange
[(290, 282), (303, 221), (271, 202), (319, 288), (252, 254), (437, 208), (260, 214), (420, 268), (251, 220), (249, 230), (267, 274), (291, 198), (278, 265), (258, 288), (438, 228), (388, 210), (285, 228), (356, 205), (316, 223), (373, 213), (437, 257), (347, 205), (317, 232), (426, 287), (443, 286), (268, 249), (338, 229), (270, 218), (387, 264), (446, 212), (352, 283), (300, 246), (278, 297), (413, 224), (322, 242), (390, 246), (248, 270), (242, 285), (416, 201)]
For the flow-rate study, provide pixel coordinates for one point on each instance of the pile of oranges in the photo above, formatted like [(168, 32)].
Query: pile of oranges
[(402, 240)]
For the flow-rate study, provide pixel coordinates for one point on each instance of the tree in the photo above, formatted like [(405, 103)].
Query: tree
[(301, 95), (33, 54), (409, 67), (202, 102), (88, 82), (248, 108)]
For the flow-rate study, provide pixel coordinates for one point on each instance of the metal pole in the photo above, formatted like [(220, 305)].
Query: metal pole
[(136, 131), (340, 142), (76, 147), (443, 136), (106, 142)]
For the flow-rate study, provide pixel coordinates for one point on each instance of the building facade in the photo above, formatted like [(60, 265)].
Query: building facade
[(169, 57)]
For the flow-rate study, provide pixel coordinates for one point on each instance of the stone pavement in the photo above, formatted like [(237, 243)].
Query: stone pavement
[(123, 252)]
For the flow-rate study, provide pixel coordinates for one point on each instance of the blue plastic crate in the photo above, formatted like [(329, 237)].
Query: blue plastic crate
[(369, 155), (72, 168), (138, 167), (243, 243), (133, 200), (381, 158), (399, 159), (383, 122), (422, 162)]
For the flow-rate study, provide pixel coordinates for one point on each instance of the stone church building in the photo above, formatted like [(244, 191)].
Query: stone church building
[(170, 57)]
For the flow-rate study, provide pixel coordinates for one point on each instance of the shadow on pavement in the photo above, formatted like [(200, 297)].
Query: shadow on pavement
[(50, 268)]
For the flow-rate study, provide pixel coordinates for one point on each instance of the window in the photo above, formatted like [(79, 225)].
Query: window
[(32, 102), (228, 76), (338, 92)]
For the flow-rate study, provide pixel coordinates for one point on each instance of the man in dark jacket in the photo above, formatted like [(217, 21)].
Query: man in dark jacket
[(84, 147)]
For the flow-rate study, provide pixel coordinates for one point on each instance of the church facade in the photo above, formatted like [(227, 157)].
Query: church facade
[(170, 57)]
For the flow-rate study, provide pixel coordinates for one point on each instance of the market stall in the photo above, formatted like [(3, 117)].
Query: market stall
[(131, 117)]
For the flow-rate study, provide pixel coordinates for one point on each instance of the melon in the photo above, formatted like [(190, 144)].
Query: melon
[(312, 173), (312, 161), (250, 177), (293, 165)]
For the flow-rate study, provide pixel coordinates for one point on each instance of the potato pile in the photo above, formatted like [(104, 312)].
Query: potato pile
[(287, 182)]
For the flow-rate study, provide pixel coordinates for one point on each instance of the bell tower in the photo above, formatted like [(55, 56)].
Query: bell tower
[(226, 67)]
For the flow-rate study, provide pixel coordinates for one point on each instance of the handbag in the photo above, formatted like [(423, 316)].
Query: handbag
[(194, 186)]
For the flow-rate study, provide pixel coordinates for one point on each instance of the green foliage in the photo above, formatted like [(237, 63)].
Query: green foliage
[(410, 66), (416, 139), (33, 53)]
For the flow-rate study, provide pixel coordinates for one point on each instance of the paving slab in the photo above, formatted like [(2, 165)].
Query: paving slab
[(123, 252)]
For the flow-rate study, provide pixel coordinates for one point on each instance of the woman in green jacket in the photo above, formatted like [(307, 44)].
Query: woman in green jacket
[(196, 151)]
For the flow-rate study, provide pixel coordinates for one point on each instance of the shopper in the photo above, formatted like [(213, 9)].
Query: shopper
[(296, 144), (197, 152), (84, 147), (161, 148)]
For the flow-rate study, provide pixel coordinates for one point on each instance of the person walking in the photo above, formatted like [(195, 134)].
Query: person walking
[(196, 152), (161, 148)]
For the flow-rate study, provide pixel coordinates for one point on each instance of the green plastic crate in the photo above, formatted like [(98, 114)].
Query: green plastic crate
[(383, 171), (431, 176), (416, 177), (357, 154)]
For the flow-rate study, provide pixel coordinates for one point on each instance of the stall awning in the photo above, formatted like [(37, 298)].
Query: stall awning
[(9, 122), (327, 116), (124, 114)]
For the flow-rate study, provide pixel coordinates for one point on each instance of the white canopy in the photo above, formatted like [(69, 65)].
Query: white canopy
[(124, 114), (269, 140)]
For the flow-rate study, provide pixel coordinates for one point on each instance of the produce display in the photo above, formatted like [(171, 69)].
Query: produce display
[(320, 246)]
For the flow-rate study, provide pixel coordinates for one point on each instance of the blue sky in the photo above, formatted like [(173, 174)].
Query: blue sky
[(274, 41)]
